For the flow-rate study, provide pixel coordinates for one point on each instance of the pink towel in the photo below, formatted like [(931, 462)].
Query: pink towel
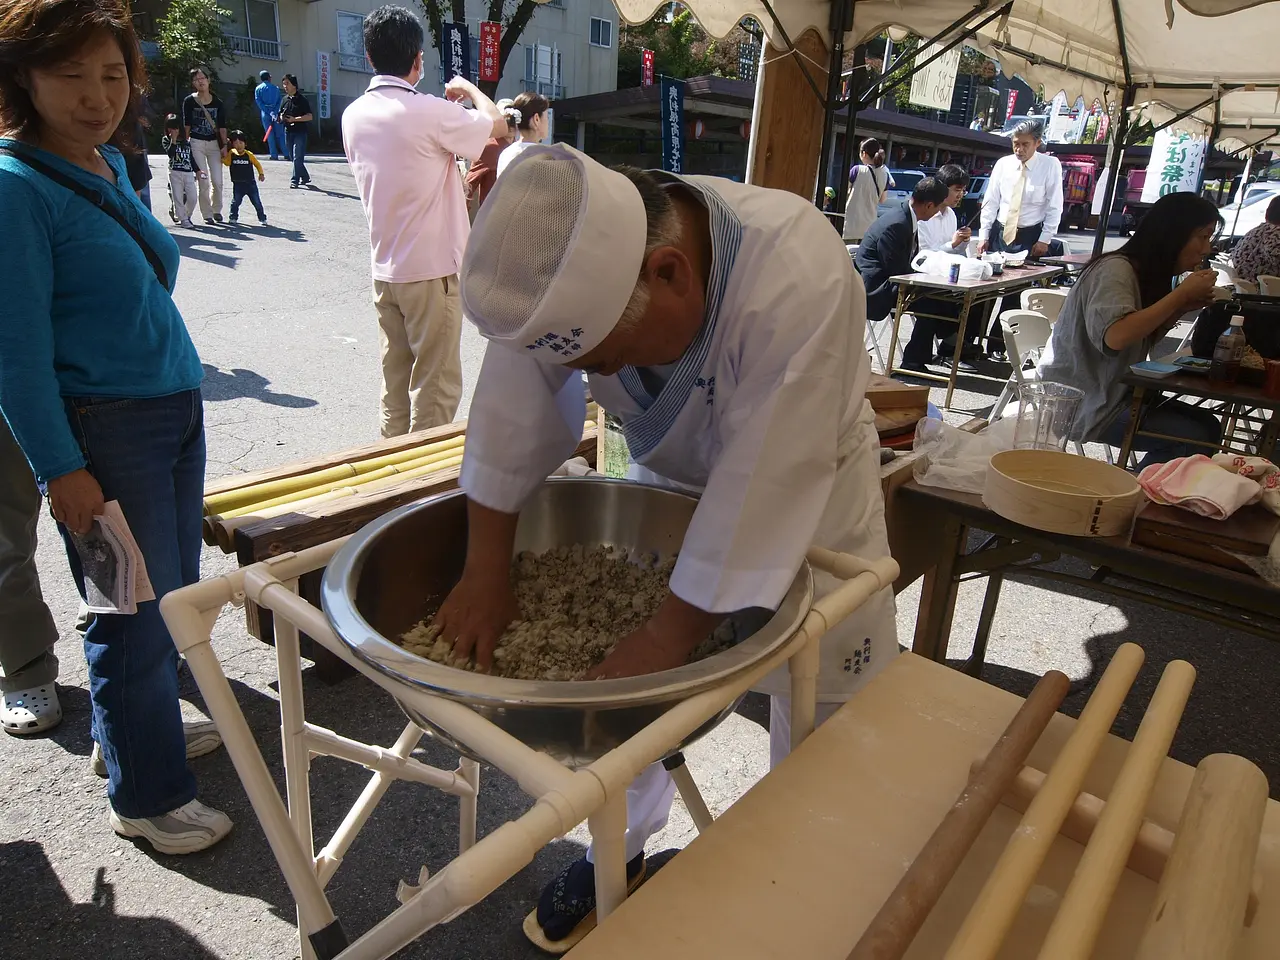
[(1264, 472), (1198, 484)]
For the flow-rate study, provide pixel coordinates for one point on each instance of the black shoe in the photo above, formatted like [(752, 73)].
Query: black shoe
[(217, 218), (293, 186), (262, 220), (913, 366), (568, 899), (999, 356)]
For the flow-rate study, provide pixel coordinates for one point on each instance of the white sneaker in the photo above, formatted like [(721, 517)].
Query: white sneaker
[(202, 737), (188, 224), (31, 711), (190, 828)]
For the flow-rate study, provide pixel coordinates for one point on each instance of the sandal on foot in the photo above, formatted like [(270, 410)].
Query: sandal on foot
[(201, 735), (566, 911), (24, 713)]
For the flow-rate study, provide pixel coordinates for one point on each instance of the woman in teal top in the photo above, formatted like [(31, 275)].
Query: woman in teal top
[(100, 382)]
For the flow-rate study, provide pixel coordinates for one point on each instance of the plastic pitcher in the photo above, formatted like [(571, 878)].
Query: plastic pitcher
[(1046, 413)]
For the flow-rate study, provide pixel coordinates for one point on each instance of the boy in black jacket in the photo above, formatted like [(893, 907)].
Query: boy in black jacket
[(182, 172), (243, 164)]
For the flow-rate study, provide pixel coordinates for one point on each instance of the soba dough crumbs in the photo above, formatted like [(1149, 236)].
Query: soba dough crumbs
[(575, 603)]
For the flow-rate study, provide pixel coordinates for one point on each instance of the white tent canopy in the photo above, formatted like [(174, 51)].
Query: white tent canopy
[(1172, 52)]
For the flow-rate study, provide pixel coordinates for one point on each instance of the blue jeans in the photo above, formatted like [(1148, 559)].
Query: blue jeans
[(1198, 426), (274, 138), (239, 191), (297, 138), (149, 455)]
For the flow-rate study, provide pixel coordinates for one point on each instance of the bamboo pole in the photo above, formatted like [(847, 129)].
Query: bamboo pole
[(1000, 899), (1076, 926), (390, 470), (223, 503), (225, 530)]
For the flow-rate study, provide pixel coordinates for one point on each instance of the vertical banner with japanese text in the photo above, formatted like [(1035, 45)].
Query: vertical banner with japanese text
[(490, 51), (455, 54), (1176, 158), (1011, 106), (672, 125), (646, 68), (323, 105)]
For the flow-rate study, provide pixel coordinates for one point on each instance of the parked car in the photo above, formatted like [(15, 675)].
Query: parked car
[(1245, 214), (972, 201), (903, 182)]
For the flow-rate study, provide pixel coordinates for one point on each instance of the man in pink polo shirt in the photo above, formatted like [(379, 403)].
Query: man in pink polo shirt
[(401, 146)]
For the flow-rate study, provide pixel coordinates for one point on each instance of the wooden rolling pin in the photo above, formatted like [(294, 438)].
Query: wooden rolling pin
[(998, 903), (1150, 851), (1200, 905), (1076, 926), (892, 929)]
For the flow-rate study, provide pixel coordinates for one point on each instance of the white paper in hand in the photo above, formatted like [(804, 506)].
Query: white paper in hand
[(115, 576), (142, 589)]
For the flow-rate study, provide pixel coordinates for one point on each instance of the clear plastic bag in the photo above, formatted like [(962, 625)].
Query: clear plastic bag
[(955, 459)]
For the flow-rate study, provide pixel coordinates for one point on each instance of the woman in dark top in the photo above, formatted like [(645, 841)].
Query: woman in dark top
[(205, 118), (295, 113)]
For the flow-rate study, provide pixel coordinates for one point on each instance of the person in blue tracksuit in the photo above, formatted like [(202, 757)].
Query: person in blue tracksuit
[(267, 96)]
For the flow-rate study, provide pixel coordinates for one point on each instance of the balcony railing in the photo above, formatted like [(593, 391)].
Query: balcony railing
[(252, 47), (552, 91)]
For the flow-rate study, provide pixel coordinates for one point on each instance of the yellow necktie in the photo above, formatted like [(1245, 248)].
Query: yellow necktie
[(1015, 205)]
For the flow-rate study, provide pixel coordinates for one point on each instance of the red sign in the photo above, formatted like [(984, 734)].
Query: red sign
[(646, 68), (490, 51), (1013, 103)]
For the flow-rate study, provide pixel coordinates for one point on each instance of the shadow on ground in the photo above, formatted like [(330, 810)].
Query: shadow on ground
[(237, 383)]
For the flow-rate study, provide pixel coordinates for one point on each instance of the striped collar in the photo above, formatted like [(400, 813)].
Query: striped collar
[(645, 432)]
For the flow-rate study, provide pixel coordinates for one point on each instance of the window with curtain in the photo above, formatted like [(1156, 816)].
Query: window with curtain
[(351, 43)]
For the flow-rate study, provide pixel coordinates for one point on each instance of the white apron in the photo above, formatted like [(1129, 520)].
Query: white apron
[(765, 415)]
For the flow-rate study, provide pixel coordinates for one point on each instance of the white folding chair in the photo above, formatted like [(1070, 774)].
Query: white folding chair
[(1046, 301), (1269, 286), (1026, 333), (873, 343)]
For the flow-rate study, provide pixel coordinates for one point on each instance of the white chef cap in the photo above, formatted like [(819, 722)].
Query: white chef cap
[(554, 255)]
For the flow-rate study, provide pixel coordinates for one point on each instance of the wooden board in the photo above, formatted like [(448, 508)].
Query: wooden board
[(823, 839), (1250, 530), (885, 393), (789, 123), (893, 422)]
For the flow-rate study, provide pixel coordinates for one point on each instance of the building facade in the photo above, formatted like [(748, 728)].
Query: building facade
[(569, 47)]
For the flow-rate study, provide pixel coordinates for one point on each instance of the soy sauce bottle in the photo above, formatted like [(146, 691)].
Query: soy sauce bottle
[(1228, 353)]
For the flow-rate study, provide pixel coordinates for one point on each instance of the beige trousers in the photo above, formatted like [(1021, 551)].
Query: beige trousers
[(420, 329), (207, 156)]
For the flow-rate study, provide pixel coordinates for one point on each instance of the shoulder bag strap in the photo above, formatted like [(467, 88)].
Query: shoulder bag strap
[(212, 123), (99, 201)]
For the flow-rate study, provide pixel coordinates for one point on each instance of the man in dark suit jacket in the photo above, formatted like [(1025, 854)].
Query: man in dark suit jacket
[(888, 247)]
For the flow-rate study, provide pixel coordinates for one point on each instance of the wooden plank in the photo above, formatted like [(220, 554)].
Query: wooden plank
[(1250, 530), (789, 125), (885, 393)]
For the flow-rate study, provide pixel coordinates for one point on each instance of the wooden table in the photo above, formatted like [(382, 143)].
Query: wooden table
[(1182, 584), (1237, 405), (796, 869), (913, 287)]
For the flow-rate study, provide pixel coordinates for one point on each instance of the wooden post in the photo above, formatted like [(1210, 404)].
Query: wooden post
[(789, 121)]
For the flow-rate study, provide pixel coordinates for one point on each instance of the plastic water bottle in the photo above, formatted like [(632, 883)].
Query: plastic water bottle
[(1228, 353)]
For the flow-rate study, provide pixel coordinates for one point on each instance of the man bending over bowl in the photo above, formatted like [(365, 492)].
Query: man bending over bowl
[(723, 325)]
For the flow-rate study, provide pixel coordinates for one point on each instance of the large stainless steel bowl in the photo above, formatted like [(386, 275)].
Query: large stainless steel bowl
[(398, 569)]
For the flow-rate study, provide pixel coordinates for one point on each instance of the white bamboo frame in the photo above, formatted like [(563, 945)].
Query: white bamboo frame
[(596, 793)]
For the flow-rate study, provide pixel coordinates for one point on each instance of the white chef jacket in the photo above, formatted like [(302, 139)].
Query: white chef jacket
[(936, 233), (1041, 201), (765, 413)]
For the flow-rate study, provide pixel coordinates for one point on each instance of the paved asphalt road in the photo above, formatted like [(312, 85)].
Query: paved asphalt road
[(282, 319)]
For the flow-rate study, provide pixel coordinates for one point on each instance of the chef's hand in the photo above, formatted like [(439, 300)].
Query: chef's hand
[(983, 245), (1196, 290), (665, 641), (475, 614), (76, 499), (1039, 249)]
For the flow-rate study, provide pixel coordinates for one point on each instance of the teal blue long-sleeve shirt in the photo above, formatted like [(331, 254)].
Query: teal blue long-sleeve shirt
[(81, 311)]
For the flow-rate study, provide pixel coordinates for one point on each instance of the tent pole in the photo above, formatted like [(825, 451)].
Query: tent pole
[(1244, 186), (847, 155), (1113, 168), (841, 23)]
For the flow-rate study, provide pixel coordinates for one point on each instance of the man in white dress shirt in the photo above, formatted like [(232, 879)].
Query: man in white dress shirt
[(943, 233), (1022, 207)]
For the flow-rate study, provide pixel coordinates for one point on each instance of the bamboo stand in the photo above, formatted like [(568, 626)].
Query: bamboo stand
[(564, 797)]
